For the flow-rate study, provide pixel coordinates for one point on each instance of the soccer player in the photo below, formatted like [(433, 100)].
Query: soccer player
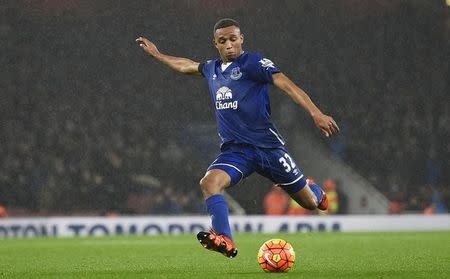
[(238, 83)]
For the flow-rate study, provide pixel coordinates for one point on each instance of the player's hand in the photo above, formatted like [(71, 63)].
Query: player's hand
[(147, 46), (326, 124)]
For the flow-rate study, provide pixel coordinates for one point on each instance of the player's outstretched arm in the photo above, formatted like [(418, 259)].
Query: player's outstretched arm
[(324, 122), (179, 64)]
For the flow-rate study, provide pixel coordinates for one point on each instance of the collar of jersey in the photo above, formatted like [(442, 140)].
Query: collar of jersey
[(228, 67)]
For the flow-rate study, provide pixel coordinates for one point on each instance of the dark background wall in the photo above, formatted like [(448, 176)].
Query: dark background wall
[(83, 110)]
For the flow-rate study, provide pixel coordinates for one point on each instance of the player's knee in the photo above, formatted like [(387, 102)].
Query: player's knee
[(209, 186)]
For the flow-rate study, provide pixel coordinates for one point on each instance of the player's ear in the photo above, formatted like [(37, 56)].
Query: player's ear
[(214, 42), (242, 38)]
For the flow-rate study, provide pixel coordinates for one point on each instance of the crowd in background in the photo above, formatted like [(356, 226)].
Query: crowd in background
[(89, 125)]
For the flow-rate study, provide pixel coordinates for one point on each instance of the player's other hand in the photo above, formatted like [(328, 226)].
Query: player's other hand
[(326, 124), (147, 46)]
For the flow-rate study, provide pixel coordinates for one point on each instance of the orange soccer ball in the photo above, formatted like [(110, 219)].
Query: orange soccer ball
[(276, 255)]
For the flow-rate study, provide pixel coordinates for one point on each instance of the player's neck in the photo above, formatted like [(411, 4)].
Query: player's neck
[(229, 61)]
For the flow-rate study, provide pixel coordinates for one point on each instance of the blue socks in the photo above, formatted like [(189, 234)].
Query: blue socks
[(317, 191), (218, 210)]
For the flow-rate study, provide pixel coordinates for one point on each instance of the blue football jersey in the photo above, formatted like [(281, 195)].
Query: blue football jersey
[(241, 99)]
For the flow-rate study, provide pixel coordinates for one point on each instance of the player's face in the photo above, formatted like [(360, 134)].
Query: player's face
[(228, 41)]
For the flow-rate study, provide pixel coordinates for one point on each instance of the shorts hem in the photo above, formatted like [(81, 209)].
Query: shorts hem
[(224, 167), (289, 183)]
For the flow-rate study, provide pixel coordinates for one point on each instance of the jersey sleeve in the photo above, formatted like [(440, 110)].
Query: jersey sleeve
[(200, 68), (203, 67), (262, 69)]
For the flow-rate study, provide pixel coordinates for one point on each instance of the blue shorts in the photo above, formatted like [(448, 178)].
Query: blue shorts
[(239, 161)]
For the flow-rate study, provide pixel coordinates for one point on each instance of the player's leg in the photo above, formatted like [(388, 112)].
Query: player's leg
[(310, 196), (219, 238), (213, 185), (214, 182), (227, 170)]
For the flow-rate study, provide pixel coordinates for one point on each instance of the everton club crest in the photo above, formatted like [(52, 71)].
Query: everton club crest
[(236, 73)]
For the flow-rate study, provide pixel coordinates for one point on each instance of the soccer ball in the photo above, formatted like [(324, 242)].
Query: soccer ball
[(276, 255)]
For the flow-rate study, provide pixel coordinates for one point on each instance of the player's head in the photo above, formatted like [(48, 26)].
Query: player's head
[(228, 39)]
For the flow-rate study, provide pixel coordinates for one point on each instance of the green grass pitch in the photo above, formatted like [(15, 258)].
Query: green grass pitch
[(319, 255)]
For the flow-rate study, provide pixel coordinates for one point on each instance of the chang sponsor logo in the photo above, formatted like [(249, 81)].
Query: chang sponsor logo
[(224, 98)]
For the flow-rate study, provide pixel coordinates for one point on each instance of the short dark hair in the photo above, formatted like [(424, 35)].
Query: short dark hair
[(226, 22)]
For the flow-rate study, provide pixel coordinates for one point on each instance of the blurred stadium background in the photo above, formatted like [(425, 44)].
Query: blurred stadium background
[(92, 127)]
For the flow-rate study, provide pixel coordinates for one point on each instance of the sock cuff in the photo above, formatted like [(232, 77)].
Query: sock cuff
[(317, 191), (215, 199)]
